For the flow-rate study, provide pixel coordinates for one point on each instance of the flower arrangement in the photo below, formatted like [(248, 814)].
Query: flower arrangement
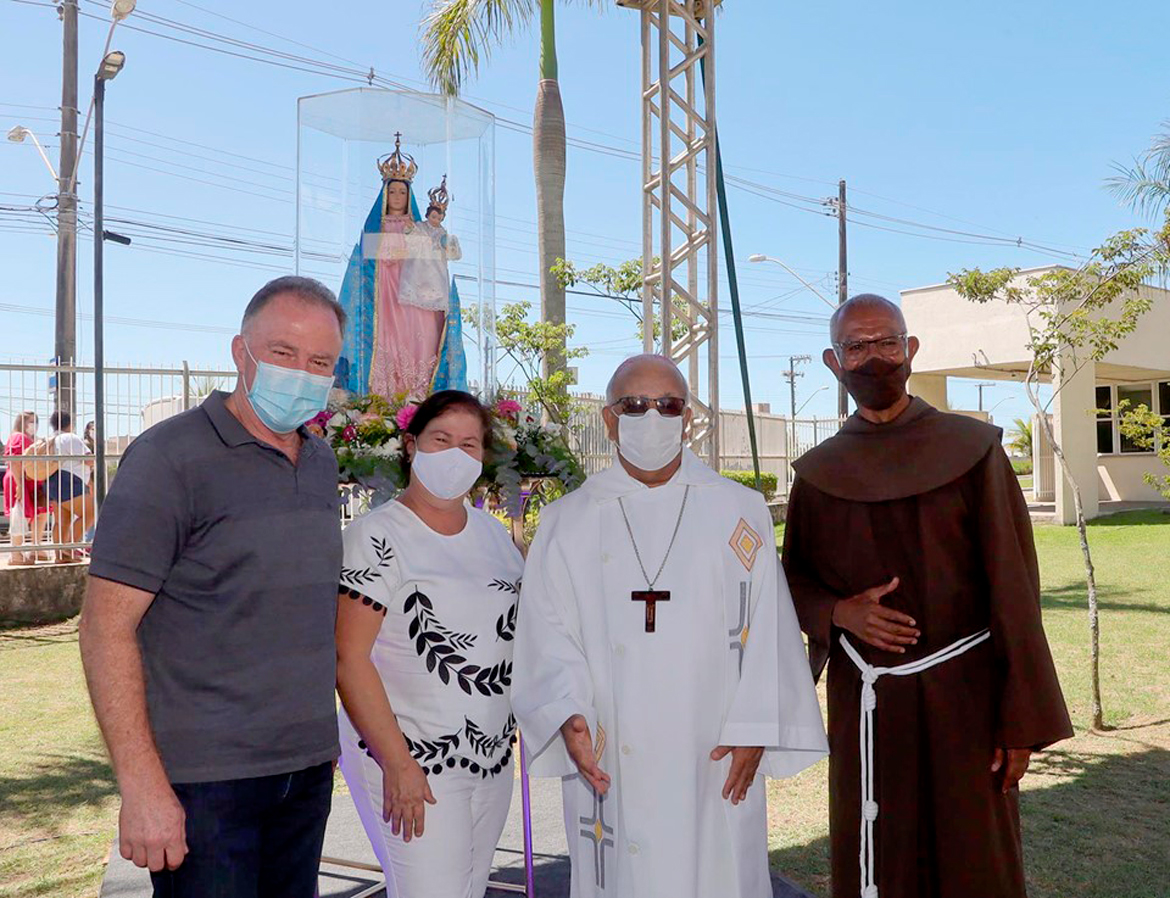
[(366, 433)]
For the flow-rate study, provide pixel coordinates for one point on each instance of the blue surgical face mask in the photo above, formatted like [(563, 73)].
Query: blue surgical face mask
[(285, 398)]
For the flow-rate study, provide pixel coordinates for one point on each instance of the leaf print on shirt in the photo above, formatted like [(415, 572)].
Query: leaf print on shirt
[(506, 623), (506, 586), (483, 744), (427, 750), (425, 626), (362, 576), (440, 648)]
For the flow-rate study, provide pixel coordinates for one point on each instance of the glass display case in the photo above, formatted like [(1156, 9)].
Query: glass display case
[(396, 214)]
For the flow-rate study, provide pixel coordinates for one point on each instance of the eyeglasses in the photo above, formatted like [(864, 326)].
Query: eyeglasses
[(893, 347), (637, 406)]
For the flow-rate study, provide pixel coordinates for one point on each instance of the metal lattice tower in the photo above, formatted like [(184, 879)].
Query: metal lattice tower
[(679, 211)]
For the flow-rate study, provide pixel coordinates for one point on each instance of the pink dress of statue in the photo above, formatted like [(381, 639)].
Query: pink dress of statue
[(407, 337)]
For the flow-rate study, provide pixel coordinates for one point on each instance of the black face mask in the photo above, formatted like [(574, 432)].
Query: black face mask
[(877, 383)]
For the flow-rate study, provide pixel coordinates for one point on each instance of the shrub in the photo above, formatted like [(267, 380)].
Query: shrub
[(1022, 466), (768, 481)]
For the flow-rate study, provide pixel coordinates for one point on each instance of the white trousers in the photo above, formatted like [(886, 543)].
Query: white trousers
[(453, 858)]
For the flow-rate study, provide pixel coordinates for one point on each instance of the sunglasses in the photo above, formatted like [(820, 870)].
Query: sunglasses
[(636, 406)]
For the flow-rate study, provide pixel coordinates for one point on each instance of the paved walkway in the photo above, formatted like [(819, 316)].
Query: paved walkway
[(1045, 512), (346, 839)]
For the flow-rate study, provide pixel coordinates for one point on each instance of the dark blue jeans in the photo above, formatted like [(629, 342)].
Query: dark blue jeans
[(252, 838)]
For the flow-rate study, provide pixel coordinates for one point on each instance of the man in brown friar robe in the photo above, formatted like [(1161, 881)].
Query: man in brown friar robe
[(910, 557)]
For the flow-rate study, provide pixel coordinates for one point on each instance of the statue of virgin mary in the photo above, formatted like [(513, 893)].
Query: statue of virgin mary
[(404, 336)]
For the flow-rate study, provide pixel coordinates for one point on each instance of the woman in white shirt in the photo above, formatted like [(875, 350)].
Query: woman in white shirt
[(425, 623), (72, 502)]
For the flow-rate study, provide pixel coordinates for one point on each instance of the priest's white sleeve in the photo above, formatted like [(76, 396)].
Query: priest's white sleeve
[(775, 704), (550, 674)]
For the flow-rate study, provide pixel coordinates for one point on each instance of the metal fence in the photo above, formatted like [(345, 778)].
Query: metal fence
[(779, 441), (60, 528), (137, 398)]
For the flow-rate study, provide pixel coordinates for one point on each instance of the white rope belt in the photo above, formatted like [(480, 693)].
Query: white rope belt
[(869, 676)]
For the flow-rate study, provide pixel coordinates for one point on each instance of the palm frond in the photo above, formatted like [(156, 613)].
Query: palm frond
[(458, 34), (1146, 184)]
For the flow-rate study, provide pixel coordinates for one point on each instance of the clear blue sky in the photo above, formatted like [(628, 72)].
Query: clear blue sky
[(1000, 118)]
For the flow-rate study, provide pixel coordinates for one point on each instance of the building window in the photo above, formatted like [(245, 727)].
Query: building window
[(1154, 396), (1105, 426), (1133, 396)]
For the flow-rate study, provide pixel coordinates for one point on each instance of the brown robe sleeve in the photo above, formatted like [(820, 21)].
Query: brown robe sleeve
[(814, 603), (1032, 712)]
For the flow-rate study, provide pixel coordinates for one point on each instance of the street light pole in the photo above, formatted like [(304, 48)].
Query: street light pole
[(18, 133), (760, 257), (109, 68), (810, 398), (99, 344)]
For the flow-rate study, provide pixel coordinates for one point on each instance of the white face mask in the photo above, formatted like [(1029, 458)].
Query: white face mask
[(650, 442), (447, 474)]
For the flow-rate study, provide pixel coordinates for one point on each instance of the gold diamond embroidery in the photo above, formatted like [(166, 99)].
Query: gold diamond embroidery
[(746, 544)]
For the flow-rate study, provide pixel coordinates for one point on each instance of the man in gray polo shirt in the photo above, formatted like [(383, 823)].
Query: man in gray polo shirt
[(207, 629)]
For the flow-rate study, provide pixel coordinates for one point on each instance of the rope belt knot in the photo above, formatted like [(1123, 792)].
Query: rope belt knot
[(869, 677)]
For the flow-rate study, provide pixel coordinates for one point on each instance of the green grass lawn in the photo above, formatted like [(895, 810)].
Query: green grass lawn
[(1096, 812)]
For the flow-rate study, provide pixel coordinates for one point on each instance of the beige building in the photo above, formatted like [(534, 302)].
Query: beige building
[(988, 342)]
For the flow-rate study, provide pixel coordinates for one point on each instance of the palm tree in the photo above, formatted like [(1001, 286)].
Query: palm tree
[(1145, 185), (456, 34), (1020, 438)]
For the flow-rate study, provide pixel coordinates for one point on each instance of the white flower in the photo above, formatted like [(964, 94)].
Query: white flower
[(389, 449), (338, 420), (553, 428)]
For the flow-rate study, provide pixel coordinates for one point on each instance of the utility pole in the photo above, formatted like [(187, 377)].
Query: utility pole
[(65, 341), (791, 375), (980, 387), (842, 284)]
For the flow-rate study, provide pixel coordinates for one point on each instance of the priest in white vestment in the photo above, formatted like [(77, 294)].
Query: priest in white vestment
[(659, 668)]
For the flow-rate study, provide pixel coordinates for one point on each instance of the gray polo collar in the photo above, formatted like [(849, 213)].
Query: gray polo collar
[(233, 433)]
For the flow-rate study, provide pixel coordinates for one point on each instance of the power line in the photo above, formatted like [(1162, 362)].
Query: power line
[(287, 60), (46, 312), (786, 198)]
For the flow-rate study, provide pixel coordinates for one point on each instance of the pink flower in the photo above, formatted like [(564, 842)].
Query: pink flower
[(349, 434), (319, 420), (508, 408), (367, 417), (405, 415)]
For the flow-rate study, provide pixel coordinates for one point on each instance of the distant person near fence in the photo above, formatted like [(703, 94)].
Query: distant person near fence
[(67, 487), (24, 498)]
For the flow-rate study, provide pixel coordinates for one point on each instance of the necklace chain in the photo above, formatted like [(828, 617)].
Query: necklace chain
[(638, 555)]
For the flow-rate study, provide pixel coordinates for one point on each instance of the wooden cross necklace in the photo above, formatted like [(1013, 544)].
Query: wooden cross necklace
[(652, 596)]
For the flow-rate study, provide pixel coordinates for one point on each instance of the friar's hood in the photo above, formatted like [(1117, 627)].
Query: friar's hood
[(919, 451)]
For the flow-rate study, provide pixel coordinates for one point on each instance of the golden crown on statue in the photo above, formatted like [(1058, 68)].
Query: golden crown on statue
[(439, 197), (397, 166)]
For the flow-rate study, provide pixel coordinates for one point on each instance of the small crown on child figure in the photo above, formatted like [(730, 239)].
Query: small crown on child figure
[(397, 166), (439, 197)]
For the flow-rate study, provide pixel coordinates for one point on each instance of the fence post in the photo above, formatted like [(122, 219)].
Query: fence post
[(186, 386), (816, 435)]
